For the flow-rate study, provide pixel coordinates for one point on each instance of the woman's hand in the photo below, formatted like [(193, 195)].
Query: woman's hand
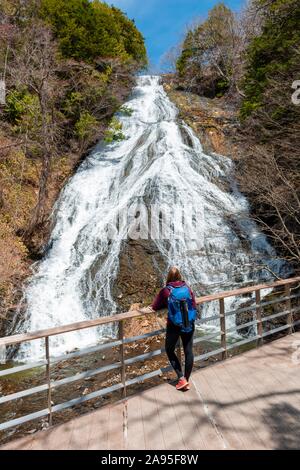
[(147, 310)]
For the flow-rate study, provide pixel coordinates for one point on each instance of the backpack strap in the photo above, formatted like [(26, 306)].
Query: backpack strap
[(170, 288)]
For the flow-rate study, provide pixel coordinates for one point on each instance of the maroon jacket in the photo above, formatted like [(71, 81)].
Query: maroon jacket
[(161, 300)]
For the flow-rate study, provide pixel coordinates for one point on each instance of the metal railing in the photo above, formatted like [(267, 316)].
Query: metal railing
[(259, 321)]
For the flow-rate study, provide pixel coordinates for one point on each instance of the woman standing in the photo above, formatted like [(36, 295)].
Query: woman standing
[(180, 301)]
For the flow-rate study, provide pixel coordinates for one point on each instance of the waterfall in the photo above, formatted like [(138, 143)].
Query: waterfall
[(159, 163)]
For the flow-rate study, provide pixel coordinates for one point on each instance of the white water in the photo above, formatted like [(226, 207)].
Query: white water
[(161, 161)]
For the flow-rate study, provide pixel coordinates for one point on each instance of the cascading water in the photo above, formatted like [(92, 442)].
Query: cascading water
[(161, 162)]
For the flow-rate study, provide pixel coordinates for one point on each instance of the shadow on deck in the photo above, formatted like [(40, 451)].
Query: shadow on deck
[(251, 401)]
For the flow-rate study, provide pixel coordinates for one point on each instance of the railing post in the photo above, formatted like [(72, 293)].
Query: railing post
[(223, 328), (287, 292), (258, 317), (122, 357), (48, 378)]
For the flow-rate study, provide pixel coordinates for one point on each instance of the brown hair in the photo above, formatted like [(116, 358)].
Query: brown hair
[(174, 275)]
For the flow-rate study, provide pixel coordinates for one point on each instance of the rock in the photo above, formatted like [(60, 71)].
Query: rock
[(32, 431), (103, 358)]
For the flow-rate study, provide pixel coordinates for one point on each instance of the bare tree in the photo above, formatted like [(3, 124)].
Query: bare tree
[(33, 66), (268, 168)]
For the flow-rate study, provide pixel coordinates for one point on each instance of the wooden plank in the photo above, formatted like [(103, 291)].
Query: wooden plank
[(56, 438), (24, 443), (245, 382), (227, 405), (135, 430), (277, 402), (222, 419), (284, 371), (209, 433), (98, 437), (116, 427), (186, 421), (253, 399), (152, 429), (171, 431), (80, 434), (243, 410)]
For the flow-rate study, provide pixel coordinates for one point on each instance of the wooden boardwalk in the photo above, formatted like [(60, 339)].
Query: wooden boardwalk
[(251, 401)]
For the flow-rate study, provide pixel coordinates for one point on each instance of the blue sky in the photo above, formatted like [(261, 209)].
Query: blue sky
[(163, 22)]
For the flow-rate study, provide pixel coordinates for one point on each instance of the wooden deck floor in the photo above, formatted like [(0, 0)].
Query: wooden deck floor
[(248, 402)]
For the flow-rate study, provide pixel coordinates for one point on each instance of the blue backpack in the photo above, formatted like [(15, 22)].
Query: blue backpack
[(180, 308)]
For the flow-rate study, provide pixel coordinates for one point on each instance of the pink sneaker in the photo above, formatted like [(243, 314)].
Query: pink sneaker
[(182, 383)]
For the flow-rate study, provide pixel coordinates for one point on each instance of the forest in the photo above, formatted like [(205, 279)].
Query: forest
[(250, 61), (68, 67)]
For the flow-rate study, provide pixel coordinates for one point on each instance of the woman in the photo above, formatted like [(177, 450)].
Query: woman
[(176, 331)]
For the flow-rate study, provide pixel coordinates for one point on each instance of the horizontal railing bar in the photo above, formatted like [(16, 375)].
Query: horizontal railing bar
[(90, 396), (111, 389), (58, 383), (241, 310), (241, 327), (208, 319), (281, 299), (77, 401), (59, 330), (142, 357), (242, 342), (24, 419), (147, 376), (20, 338), (255, 306), (207, 337), (146, 335), (202, 357), (276, 330), (246, 290), (102, 392), (276, 315), (24, 393), (263, 304), (85, 375), (16, 370), (82, 352), (60, 407)]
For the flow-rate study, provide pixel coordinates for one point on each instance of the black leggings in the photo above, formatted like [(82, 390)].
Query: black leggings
[(172, 336)]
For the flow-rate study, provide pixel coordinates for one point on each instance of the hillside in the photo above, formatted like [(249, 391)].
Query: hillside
[(68, 66), (249, 63)]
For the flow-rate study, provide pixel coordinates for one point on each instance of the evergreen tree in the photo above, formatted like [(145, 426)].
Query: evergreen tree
[(272, 57), (88, 30)]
